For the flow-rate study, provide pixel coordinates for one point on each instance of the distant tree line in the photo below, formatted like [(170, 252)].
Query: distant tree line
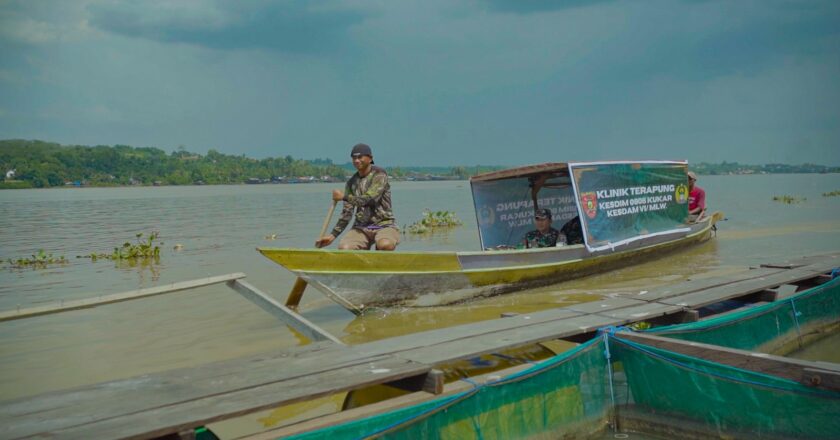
[(772, 168), (38, 164), (43, 164)]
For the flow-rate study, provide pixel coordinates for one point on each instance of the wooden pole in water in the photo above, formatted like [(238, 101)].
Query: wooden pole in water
[(296, 293)]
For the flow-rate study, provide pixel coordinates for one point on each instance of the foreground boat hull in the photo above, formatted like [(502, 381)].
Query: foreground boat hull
[(363, 279)]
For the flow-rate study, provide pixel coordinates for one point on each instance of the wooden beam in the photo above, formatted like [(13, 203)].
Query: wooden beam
[(695, 285), (740, 289), (785, 291), (283, 313), (822, 279), (65, 306), (782, 265), (820, 378), (827, 374), (822, 262), (293, 299), (767, 295), (688, 315), (431, 382), (774, 294)]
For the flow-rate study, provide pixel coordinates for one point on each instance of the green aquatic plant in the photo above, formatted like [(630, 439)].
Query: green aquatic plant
[(434, 220), (639, 326), (143, 248), (834, 193), (39, 259), (789, 199)]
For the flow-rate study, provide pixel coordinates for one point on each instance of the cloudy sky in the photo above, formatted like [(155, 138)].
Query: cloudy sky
[(429, 82)]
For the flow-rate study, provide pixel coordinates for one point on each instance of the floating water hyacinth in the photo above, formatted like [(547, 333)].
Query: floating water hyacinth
[(37, 260), (789, 199), (144, 248), (433, 220)]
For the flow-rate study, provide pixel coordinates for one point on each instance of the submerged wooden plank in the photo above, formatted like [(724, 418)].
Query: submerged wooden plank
[(65, 306), (286, 315)]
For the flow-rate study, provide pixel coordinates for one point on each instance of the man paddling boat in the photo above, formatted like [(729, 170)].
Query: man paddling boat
[(368, 193)]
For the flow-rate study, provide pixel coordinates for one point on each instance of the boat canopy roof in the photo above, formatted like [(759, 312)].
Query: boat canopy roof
[(524, 171)]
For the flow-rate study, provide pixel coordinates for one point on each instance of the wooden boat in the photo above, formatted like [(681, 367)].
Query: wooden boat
[(626, 211)]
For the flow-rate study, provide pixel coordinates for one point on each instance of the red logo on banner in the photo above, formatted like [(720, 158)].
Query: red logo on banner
[(589, 203)]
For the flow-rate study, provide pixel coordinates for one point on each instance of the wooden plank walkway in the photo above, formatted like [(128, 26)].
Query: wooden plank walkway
[(158, 404)]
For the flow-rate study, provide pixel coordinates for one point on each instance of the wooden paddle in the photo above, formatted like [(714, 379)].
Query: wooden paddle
[(296, 293)]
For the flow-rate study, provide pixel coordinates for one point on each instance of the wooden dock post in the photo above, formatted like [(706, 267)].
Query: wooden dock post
[(293, 300)]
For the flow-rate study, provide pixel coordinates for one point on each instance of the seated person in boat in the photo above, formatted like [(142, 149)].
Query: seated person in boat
[(573, 231), (544, 235), (367, 199), (696, 199)]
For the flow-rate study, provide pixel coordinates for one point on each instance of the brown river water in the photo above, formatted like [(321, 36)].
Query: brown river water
[(214, 230)]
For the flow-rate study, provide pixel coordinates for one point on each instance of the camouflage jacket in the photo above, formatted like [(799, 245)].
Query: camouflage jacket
[(370, 197), (535, 239)]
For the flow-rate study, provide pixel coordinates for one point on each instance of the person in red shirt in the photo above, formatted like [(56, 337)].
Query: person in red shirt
[(696, 199)]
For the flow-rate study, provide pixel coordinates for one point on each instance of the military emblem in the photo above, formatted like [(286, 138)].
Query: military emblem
[(681, 194), (589, 203), (486, 216)]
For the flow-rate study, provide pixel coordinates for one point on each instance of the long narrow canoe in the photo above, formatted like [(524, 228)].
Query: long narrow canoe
[(363, 279)]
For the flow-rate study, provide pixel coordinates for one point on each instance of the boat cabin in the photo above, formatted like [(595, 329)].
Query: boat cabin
[(609, 203)]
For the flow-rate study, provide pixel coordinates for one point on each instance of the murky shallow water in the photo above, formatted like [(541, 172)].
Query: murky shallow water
[(219, 227), (824, 350)]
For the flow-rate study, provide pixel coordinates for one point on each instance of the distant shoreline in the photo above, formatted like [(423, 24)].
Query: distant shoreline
[(440, 179), (38, 164)]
